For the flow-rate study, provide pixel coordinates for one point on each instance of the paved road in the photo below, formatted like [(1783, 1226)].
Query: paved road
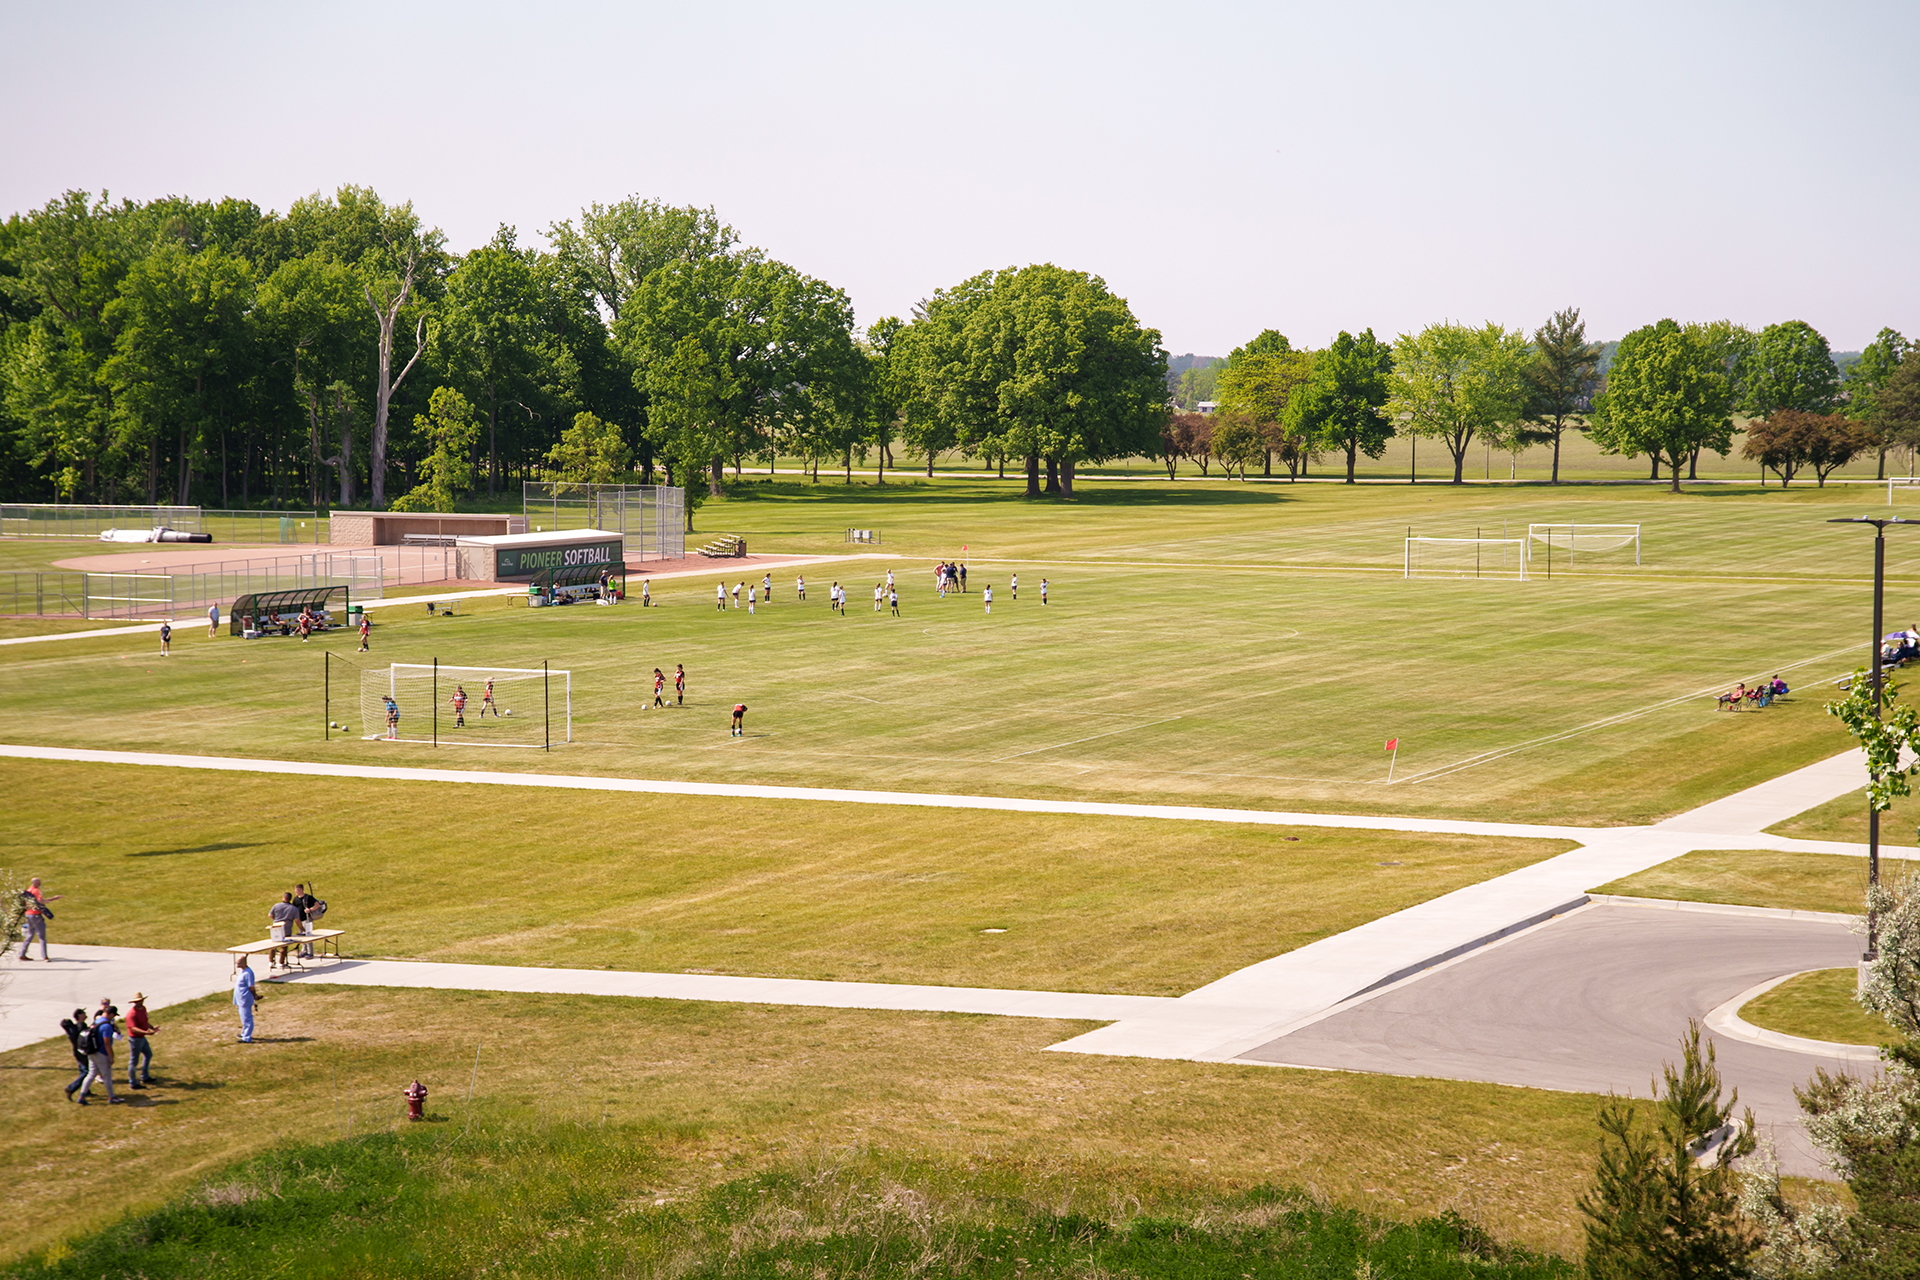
[(1593, 1002)]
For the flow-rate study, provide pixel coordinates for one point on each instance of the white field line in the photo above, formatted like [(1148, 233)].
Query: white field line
[(753, 791), (1501, 753), (1089, 738)]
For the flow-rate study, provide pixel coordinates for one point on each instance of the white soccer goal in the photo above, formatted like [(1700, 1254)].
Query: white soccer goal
[(1573, 538), (1466, 558), (421, 702)]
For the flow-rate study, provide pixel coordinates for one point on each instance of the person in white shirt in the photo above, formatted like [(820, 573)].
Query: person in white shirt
[(213, 620), (751, 591), (1013, 587), (987, 596), (879, 593), (800, 586), (720, 596)]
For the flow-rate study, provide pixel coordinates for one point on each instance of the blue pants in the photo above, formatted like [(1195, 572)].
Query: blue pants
[(81, 1078), (139, 1059), (246, 1020)]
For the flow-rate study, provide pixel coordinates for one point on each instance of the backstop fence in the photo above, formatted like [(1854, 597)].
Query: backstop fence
[(652, 517), (191, 588)]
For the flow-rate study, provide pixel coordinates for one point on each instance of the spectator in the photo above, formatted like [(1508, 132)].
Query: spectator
[(166, 639), (287, 916), (309, 915), (35, 916), (244, 999), (139, 1044), (76, 1029), (99, 1046), (213, 620)]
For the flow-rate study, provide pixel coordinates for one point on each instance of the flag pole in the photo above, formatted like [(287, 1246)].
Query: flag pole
[(1393, 758)]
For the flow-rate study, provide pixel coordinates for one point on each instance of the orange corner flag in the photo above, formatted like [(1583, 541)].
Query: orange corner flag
[(1393, 744)]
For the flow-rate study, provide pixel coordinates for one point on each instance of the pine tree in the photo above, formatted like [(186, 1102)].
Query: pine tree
[(1656, 1211)]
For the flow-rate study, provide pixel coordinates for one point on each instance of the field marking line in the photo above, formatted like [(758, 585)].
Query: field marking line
[(125, 629), (1091, 737), (758, 791)]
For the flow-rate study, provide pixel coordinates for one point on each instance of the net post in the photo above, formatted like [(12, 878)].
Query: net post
[(436, 701), (1407, 553), (546, 702), (326, 694)]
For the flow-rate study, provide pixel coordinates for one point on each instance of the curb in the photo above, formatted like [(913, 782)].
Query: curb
[(1723, 909), (1727, 1021)]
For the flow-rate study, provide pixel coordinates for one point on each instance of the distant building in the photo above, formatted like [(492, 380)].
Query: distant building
[(1207, 406)]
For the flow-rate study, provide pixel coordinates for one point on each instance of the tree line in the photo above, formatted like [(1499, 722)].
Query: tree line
[(340, 354), (1669, 392)]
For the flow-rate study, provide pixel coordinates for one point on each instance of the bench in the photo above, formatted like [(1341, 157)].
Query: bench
[(429, 540), (726, 546), (320, 938), (285, 624)]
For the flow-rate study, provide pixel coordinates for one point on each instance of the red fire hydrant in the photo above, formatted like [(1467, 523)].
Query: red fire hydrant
[(416, 1096)]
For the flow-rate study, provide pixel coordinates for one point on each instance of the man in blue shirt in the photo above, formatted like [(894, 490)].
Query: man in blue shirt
[(243, 999)]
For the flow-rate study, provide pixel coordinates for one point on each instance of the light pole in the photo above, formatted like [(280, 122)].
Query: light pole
[(1874, 679)]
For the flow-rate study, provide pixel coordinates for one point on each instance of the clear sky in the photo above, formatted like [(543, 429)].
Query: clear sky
[(1226, 167)]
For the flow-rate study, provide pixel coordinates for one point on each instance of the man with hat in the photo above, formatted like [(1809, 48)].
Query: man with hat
[(139, 1044)]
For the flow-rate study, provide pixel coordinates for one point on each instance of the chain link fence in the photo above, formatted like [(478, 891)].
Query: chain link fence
[(652, 518), (81, 521), (191, 588)]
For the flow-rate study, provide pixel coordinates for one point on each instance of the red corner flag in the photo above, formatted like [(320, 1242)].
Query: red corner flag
[(1393, 744)]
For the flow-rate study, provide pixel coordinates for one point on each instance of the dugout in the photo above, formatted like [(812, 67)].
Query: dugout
[(522, 557), (277, 613), (570, 586)]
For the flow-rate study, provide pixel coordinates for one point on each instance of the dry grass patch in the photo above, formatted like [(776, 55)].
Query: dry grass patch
[(1754, 878)]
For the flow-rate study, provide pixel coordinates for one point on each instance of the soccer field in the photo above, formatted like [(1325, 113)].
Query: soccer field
[(1255, 652)]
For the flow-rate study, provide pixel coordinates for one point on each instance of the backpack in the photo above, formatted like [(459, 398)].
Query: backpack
[(90, 1040)]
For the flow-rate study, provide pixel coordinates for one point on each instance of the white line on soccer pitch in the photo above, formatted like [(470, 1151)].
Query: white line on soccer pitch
[(1129, 728), (760, 791)]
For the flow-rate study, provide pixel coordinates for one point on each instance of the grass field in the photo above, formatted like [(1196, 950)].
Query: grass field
[(1819, 1006), (726, 1091), (1757, 878), (770, 888), (1247, 647)]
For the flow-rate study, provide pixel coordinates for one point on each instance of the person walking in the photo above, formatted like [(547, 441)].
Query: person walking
[(366, 629), (244, 999), (166, 639), (140, 1031), (99, 1047), (34, 916), (679, 684), (213, 620), (76, 1029)]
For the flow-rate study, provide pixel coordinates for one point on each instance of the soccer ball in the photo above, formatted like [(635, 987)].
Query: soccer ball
[(507, 712)]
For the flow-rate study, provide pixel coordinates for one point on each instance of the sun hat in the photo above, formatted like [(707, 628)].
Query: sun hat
[(138, 996)]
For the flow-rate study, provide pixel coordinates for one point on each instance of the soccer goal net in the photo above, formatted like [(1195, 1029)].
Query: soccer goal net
[(1466, 558), (1574, 538), (467, 706)]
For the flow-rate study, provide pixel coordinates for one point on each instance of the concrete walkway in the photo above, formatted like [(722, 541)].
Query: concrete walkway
[(1217, 1022)]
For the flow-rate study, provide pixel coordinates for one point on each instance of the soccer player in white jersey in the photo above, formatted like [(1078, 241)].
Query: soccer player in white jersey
[(766, 588), (750, 595), (1013, 587), (988, 597), (1043, 591), (879, 593), (720, 596), (800, 586)]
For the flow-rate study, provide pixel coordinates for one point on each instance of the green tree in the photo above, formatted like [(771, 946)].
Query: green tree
[(1342, 406), (617, 247), (183, 338), (1868, 377), (1040, 363), (1260, 386), (1790, 368), (889, 386), (1667, 396), (311, 317), (1654, 1212), (1457, 384), (1237, 441), (449, 430), (589, 452), (489, 328), (1562, 376), (1897, 406)]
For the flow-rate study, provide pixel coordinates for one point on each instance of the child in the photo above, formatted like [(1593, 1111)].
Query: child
[(879, 594), (739, 721), (659, 689), (800, 586), (893, 601), (393, 719), (166, 639), (1043, 592), (679, 684), (1013, 587), (766, 588), (750, 593), (486, 700), (720, 597), (459, 701), (987, 596), (366, 628), (736, 593), (646, 595)]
